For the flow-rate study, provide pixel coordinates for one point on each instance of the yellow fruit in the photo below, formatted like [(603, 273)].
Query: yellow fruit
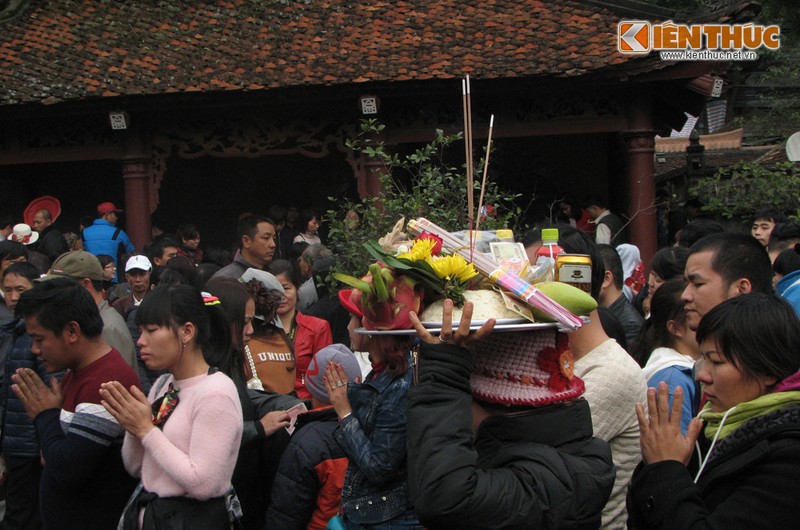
[(572, 298)]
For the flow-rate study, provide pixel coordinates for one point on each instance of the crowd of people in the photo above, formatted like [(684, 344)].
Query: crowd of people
[(199, 388)]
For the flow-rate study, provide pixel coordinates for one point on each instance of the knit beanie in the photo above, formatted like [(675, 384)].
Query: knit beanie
[(524, 368), (338, 353)]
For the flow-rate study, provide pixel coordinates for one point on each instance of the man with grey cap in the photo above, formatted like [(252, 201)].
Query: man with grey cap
[(300, 498), (85, 268)]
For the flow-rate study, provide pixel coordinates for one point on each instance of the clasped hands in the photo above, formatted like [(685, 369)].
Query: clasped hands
[(660, 433)]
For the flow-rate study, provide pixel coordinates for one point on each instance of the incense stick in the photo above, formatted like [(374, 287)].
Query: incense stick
[(485, 170), (470, 168)]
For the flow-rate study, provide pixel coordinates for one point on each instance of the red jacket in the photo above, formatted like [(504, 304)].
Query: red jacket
[(313, 334)]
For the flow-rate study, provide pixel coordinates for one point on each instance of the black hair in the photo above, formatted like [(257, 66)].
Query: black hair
[(175, 305), (738, 256), (277, 213), (670, 262), (186, 231), (297, 250), (665, 305), (86, 221), (184, 265), (769, 214), (612, 326), (575, 241), (532, 236), (759, 333), (612, 263), (784, 235), (248, 226), (23, 269), (233, 297), (305, 217), (6, 220), (105, 259), (284, 266), (203, 273), (155, 249), (596, 200), (217, 256), (163, 275), (787, 261), (59, 301), (698, 229), (12, 250), (575, 209)]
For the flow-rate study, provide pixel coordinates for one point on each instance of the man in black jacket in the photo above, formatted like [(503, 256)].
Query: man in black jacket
[(499, 437), (51, 243)]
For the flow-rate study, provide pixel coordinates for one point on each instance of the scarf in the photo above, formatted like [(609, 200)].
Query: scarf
[(744, 412), (165, 405)]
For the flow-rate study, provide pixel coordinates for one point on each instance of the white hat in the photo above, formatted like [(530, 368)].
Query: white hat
[(24, 234), (266, 279), (138, 262)]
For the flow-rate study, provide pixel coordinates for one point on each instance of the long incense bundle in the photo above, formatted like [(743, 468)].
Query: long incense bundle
[(485, 171), (492, 270)]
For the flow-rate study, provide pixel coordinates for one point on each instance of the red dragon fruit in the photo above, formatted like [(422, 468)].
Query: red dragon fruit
[(385, 299)]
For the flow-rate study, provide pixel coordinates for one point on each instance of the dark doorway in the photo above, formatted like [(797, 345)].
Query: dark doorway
[(212, 192)]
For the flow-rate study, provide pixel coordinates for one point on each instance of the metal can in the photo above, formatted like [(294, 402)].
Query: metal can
[(576, 270)]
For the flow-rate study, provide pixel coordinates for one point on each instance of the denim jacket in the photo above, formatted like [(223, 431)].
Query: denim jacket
[(374, 438)]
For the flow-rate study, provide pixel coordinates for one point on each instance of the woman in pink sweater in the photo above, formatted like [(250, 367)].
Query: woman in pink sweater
[(183, 446)]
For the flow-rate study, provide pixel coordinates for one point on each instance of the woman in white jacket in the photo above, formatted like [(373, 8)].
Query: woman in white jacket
[(668, 349)]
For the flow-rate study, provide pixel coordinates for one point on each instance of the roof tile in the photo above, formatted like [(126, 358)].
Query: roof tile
[(116, 48)]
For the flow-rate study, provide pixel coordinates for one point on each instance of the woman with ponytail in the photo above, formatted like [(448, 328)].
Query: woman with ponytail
[(183, 439)]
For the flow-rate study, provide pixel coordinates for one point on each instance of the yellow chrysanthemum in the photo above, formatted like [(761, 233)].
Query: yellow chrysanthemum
[(453, 268), (420, 251)]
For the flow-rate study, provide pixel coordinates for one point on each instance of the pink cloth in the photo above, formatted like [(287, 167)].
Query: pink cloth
[(790, 383), (195, 454)]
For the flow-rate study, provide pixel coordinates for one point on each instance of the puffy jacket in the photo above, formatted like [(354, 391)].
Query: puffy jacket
[(18, 435), (539, 469), (749, 482), (374, 438), (308, 486)]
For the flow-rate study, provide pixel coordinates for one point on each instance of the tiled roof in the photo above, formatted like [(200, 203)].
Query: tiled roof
[(60, 50)]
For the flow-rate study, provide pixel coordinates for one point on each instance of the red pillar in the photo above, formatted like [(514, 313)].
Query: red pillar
[(137, 176), (640, 142)]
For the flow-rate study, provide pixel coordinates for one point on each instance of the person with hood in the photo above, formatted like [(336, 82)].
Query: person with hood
[(668, 349)]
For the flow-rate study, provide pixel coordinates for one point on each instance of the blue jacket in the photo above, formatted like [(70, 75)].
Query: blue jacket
[(374, 439), (18, 435), (99, 239), (788, 288)]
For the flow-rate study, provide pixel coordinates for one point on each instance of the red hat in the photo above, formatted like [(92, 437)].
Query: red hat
[(107, 207), (346, 299), (45, 202)]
